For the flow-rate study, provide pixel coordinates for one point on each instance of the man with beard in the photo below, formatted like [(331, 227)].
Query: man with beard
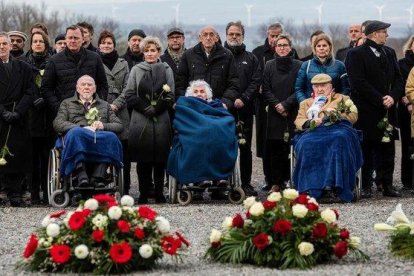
[(377, 85), (354, 33), (133, 54), (175, 48), (249, 72), (17, 39)]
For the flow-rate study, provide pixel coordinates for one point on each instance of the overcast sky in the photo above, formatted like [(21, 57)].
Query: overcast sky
[(222, 11)]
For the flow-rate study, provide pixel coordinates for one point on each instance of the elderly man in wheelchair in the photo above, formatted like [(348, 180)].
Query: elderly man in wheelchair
[(205, 145), (328, 152), (88, 144)]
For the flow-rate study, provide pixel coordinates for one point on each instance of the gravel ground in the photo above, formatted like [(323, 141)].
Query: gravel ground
[(197, 219)]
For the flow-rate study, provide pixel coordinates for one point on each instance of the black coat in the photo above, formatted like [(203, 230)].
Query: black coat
[(166, 57), (279, 87), (370, 82), (218, 70), (62, 72), (132, 59), (265, 53), (16, 91), (343, 52)]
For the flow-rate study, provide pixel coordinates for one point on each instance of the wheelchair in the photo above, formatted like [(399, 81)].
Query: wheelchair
[(61, 190), (184, 194)]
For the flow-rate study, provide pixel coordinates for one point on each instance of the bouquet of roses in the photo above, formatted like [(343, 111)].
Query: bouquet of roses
[(387, 128), (102, 237), (343, 107), (402, 233), (285, 231)]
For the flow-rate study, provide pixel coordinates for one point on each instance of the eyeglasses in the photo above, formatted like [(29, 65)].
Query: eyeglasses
[(282, 45), (175, 37)]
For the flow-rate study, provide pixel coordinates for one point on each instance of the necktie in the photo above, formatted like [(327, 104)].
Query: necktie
[(87, 105)]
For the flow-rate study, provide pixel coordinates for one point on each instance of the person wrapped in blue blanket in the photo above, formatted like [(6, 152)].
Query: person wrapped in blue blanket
[(328, 152), (205, 147), (90, 142)]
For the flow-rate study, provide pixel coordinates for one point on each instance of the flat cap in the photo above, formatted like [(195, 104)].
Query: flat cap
[(375, 25), (59, 37), (175, 30), (17, 33), (321, 78), (137, 32)]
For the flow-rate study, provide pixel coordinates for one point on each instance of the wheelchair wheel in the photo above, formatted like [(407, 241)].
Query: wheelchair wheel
[(236, 195), (119, 180), (358, 187), (172, 190), (59, 199), (53, 174), (235, 178), (184, 197)]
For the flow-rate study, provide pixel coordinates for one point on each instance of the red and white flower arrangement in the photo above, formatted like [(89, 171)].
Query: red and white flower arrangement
[(102, 236), (285, 231)]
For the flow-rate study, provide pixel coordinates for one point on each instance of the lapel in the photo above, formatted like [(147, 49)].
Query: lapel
[(117, 67), (3, 79), (15, 77)]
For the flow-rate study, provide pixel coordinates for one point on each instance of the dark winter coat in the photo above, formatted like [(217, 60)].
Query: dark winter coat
[(370, 82), (150, 136), (279, 87), (218, 70), (132, 59), (265, 53), (16, 91), (166, 57), (343, 52), (62, 72), (72, 114)]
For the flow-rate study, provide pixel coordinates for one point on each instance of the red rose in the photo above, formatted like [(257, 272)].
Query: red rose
[(57, 214), (86, 212), (146, 212), (344, 234), (76, 221), (170, 245), (341, 249), (104, 198), (123, 226), (238, 221), (139, 233), (320, 230), (31, 246), (120, 253), (261, 241), (247, 214), (302, 199), (182, 238), (312, 207), (113, 203), (336, 213), (98, 235), (282, 226), (60, 253), (269, 204)]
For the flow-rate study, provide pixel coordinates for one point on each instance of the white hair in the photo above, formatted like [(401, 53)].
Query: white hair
[(198, 83), (86, 77)]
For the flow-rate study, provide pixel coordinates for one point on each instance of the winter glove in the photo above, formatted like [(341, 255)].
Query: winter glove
[(10, 117), (39, 103), (149, 111)]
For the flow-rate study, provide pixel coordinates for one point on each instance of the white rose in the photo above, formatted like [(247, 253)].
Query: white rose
[(349, 103), (52, 230), (353, 109), (91, 204), (384, 227), (127, 200), (313, 200), (290, 194), (114, 212), (257, 209), (145, 251), (227, 223), (306, 248), (215, 235), (3, 161), (166, 88), (398, 216), (248, 202), (328, 215), (46, 221), (274, 197), (354, 242), (389, 128), (81, 251), (162, 224), (299, 210), (385, 139), (128, 209)]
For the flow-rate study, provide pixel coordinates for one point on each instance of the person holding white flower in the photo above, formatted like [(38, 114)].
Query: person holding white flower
[(150, 95)]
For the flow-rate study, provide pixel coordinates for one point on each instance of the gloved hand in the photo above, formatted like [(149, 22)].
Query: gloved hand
[(10, 117), (149, 111), (39, 103)]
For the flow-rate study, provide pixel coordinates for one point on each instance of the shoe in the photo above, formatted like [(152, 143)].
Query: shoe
[(366, 193), (391, 193), (266, 187), (83, 183), (160, 199), (379, 186), (203, 184), (220, 183), (249, 190), (218, 195)]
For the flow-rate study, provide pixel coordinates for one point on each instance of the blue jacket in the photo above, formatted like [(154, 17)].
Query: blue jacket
[(309, 69)]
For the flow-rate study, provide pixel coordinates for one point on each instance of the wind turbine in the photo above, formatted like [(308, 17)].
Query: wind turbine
[(177, 14), (410, 11), (249, 14), (319, 9), (380, 8)]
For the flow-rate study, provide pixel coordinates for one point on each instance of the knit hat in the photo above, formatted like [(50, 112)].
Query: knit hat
[(17, 33), (59, 37), (137, 32), (375, 25), (321, 78)]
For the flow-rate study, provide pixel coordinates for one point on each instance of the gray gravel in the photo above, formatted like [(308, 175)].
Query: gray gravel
[(197, 219)]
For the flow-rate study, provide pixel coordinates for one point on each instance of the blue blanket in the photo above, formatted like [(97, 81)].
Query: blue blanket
[(327, 156), (79, 145), (205, 147)]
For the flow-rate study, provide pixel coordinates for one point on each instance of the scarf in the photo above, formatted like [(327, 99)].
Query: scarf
[(38, 59), (284, 64), (109, 59), (236, 50), (176, 55), (372, 44)]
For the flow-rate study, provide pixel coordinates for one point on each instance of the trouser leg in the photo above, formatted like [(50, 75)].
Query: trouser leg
[(127, 167), (246, 150), (386, 154), (144, 171), (13, 184), (159, 176)]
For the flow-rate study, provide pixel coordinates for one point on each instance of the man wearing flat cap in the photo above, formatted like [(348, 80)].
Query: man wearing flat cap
[(17, 39), (133, 54), (175, 48), (376, 87)]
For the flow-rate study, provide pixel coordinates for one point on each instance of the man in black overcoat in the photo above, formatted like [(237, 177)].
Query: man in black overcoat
[(16, 97), (376, 84)]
